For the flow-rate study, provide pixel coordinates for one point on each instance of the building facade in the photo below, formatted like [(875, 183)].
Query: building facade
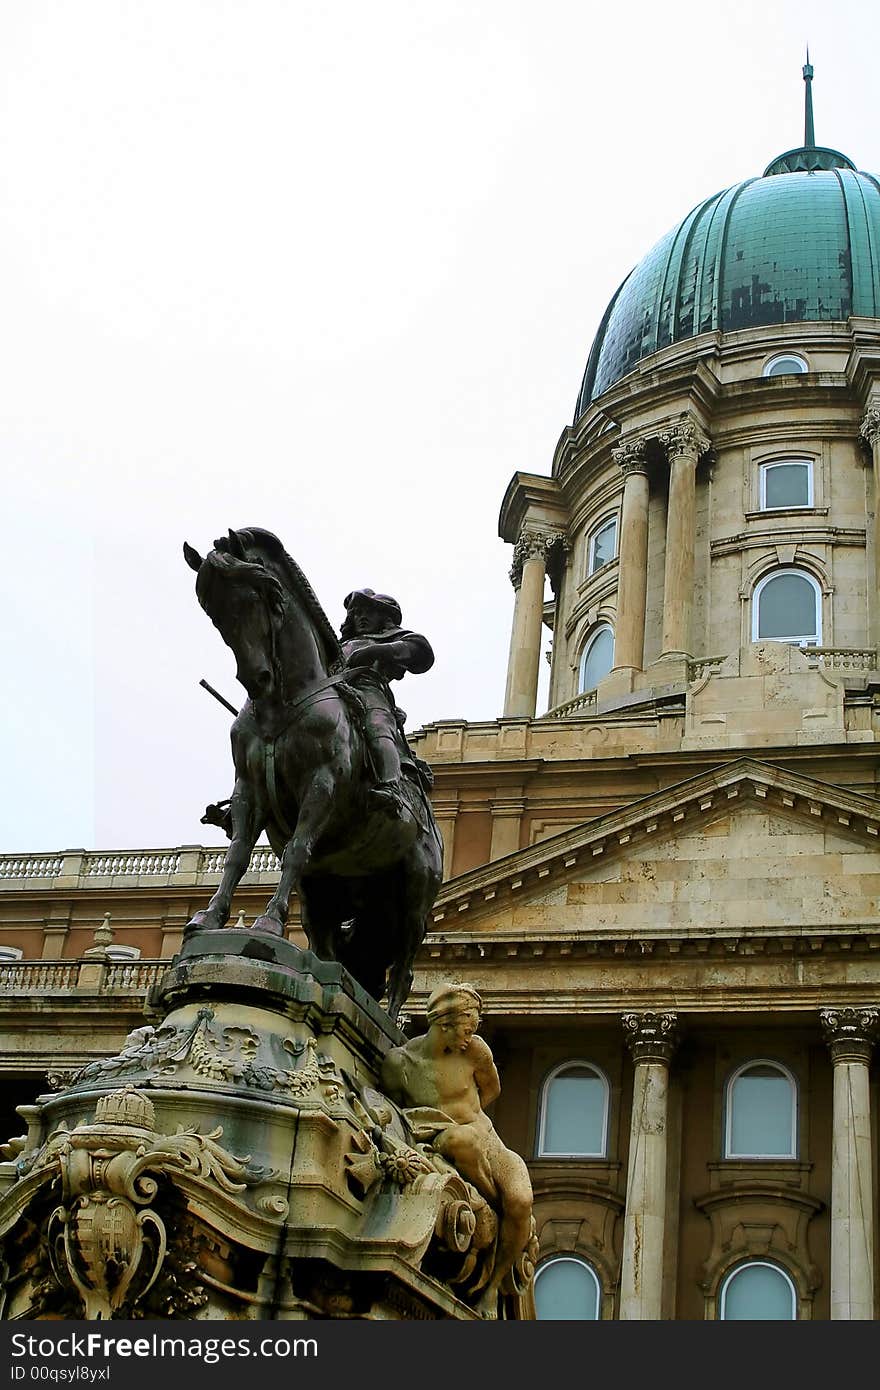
[(665, 887)]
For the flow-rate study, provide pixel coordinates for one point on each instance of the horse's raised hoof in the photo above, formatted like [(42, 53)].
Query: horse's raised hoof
[(268, 925), (196, 923)]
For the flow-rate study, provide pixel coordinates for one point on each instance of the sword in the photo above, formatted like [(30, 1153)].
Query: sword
[(217, 696)]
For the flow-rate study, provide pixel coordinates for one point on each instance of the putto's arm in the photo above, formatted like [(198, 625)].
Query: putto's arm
[(486, 1076)]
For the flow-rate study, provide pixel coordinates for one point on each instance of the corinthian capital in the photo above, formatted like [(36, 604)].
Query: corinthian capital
[(547, 545), (651, 1037), (631, 456), (850, 1033), (684, 438), (869, 429)]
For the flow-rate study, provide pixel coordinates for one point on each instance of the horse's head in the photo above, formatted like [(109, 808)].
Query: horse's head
[(245, 602)]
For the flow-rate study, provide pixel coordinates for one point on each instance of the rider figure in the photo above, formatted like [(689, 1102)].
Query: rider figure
[(378, 650)]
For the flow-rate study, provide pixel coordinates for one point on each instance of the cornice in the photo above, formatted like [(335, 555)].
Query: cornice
[(767, 537), (598, 999), (531, 499)]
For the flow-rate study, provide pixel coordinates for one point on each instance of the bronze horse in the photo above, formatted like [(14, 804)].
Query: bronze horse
[(366, 881)]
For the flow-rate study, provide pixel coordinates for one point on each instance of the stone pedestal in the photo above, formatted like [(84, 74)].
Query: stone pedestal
[(236, 1160)]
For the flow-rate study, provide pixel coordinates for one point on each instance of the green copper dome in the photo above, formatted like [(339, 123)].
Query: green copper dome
[(800, 244)]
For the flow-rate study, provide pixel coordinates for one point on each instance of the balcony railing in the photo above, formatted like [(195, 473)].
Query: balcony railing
[(843, 658), (54, 977), (187, 865), (581, 704)]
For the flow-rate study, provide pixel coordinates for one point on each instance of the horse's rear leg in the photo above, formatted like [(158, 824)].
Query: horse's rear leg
[(315, 811), (245, 829)]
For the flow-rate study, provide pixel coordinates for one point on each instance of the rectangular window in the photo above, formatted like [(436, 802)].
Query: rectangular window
[(602, 543), (788, 483)]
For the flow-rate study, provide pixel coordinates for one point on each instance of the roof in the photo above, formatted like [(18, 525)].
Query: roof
[(799, 244)]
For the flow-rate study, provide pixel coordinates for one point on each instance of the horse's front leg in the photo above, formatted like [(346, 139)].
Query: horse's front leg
[(315, 811), (246, 826)]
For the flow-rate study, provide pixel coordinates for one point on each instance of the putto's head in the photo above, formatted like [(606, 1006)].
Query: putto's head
[(453, 999)]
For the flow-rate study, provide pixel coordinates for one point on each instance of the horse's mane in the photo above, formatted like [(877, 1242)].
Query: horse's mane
[(266, 548)]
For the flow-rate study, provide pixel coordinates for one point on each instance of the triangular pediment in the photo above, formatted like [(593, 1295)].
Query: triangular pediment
[(746, 844)]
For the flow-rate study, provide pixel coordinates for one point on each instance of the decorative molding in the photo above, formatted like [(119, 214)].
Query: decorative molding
[(850, 1033), (869, 428), (548, 545), (651, 1037), (684, 438), (115, 1175), (631, 456)]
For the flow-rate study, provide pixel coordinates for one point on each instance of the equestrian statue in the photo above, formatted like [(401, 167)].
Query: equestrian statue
[(322, 764)]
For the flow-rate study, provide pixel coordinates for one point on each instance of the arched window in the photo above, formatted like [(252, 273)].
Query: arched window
[(601, 545), (785, 364), (119, 952), (598, 658), (786, 483), (761, 1112), (755, 1292), (567, 1289), (787, 607), (573, 1120), (10, 953)]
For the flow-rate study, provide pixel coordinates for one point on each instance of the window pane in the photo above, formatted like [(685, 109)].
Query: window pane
[(787, 485), (788, 607), (761, 1113), (566, 1290), (599, 659), (786, 366), (758, 1292), (574, 1118), (602, 546)]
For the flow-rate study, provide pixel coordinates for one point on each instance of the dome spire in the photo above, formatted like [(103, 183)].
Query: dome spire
[(810, 157), (809, 132)]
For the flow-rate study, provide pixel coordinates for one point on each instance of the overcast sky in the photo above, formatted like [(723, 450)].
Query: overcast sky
[(332, 269)]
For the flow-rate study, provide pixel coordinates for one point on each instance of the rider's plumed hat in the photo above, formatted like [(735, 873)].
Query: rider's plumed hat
[(389, 605)]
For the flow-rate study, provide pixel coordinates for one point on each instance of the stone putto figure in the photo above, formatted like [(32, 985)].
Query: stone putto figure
[(444, 1079)]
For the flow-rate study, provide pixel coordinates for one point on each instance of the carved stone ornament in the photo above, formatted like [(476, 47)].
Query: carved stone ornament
[(869, 428), (106, 1242), (651, 1037), (234, 1055), (850, 1033), (547, 545), (684, 438), (388, 1155), (631, 456)]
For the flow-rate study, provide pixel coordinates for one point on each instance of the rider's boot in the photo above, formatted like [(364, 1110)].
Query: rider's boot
[(387, 797)]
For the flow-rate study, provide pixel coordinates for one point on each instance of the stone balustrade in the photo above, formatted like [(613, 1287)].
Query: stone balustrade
[(127, 868), (843, 658), (77, 976), (583, 703)]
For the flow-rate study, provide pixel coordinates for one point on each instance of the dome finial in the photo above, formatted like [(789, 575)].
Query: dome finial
[(809, 132)]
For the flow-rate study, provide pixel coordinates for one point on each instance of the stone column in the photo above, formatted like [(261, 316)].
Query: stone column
[(850, 1034), (527, 575), (870, 432), (632, 584), (684, 443), (651, 1039)]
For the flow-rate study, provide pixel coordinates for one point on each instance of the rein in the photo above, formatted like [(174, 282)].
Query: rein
[(292, 709)]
